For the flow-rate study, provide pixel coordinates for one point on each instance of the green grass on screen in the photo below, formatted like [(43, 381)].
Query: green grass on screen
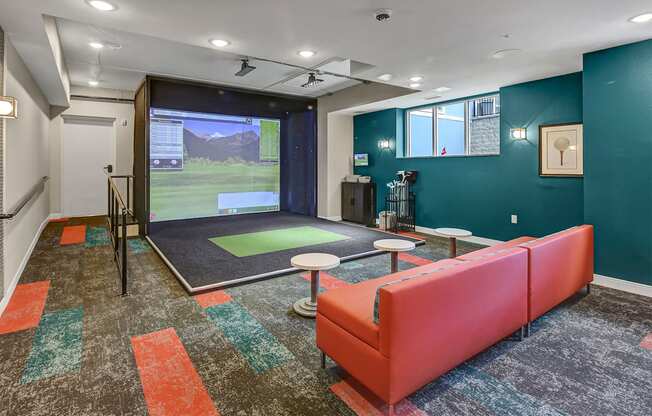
[(192, 192)]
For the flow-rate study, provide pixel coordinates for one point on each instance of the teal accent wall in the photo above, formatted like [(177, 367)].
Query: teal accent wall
[(618, 159), (480, 193)]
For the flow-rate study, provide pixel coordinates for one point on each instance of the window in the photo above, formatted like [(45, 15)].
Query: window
[(420, 132), (462, 128)]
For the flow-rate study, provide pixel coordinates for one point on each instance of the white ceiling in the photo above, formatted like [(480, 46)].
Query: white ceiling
[(449, 43), (138, 55)]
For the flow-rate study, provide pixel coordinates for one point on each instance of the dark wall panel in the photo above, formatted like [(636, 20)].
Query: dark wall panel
[(180, 95), (298, 167)]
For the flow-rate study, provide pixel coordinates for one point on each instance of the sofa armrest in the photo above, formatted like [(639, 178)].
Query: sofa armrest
[(560, 264)]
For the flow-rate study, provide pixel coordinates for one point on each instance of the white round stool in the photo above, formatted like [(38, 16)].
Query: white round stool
[(313, 262), (453, 234), (394, 246)]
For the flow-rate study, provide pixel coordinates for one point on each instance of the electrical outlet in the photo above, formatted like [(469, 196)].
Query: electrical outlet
[(514, 219)]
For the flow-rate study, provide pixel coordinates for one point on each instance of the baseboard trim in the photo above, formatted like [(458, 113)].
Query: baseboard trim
[(21, 268), (624, 285), (335, 218), (473, 239)]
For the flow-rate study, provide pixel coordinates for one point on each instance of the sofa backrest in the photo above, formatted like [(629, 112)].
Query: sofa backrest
[(430, 324), (559, 265)]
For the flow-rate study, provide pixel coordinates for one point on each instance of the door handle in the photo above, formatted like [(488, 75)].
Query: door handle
[(109, 168)]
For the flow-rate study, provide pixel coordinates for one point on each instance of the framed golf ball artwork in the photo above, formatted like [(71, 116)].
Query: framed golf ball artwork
[(561, 150)]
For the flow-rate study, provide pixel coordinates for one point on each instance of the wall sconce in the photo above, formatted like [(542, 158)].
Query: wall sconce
[(8, 107), (384, 144), (518, 133)]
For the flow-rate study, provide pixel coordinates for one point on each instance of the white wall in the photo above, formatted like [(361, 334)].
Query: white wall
[(340, 160), (26, 160), (335, 139), (123, 113)]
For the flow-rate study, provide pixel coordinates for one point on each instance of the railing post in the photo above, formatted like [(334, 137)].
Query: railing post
[(123, 258), (108, 197), (128, 198)]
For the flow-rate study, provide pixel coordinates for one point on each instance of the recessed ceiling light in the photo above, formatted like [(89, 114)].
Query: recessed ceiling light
[(433, 97), (416, 78), (93, 83), (96, 45), (442, 89), (504, 53), (101, 5), (641, 18), (385, 77), (415, 85), (219, 43), (307, 54)]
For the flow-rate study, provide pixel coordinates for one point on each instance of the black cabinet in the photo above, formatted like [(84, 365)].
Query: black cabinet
[(358, 202)]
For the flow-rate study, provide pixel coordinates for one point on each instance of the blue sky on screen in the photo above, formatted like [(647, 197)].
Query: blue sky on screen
[(217, 129)]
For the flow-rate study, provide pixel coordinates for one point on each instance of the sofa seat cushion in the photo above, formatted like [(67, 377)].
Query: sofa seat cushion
[(492, 250), (352, 307)]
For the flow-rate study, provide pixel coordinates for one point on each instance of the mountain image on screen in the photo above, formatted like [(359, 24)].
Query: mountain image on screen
[(204, 165), (244, 146)]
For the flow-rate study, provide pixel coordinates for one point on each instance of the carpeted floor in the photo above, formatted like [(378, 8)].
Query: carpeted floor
[(188, 246), (74, 347)]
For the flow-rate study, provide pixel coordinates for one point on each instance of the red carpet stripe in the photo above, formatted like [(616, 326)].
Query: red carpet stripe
[(170, 383), (73, 234), (411, 235), (217, 297), (647, 342), (327, 281), (25, 307), (365, 403), (411, 258)]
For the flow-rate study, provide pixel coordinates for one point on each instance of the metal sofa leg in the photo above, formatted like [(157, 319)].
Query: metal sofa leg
[(588, 288), (527, 330), (390, 410), (323, 360), (521, 334)]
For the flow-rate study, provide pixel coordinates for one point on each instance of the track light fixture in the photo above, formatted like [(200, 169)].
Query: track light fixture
[(312, 81), (245, 68)]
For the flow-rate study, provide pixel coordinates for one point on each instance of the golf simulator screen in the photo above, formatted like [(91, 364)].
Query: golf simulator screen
[(204, 165)]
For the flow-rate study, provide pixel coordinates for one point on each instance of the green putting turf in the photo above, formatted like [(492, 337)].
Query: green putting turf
[(250, 244)]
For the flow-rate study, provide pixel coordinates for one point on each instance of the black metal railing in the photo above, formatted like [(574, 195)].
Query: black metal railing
[(36, 189), (119, 217), (487, 106)]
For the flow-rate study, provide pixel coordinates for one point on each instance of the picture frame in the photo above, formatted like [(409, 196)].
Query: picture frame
[(561, 150)]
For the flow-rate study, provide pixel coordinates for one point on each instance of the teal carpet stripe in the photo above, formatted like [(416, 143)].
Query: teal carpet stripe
[(96, 236), (137, 246), (496, 395), (57, 345), (260, 348)]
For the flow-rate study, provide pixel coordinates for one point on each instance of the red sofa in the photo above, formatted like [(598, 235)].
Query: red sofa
[(431, 318), (559, 265), (448, 312)]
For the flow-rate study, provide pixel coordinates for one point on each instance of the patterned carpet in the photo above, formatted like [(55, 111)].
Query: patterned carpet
[(69, 345)]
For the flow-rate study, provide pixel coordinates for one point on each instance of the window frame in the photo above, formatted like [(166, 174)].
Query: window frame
[(408, 135), (435, 127)]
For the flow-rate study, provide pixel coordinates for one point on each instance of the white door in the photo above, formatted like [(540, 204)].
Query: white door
[(87, 147)]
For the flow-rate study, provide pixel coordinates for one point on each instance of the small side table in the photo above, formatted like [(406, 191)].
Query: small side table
[(453, 234), (313, 262), (394, 246)]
